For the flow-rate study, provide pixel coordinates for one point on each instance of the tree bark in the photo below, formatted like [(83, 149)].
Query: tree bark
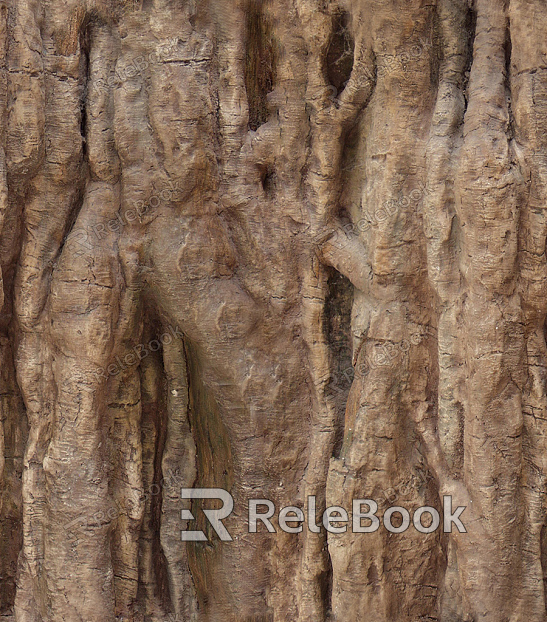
[(288, 249)]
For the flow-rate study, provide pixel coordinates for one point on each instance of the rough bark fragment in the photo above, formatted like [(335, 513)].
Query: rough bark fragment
[(192, 196)]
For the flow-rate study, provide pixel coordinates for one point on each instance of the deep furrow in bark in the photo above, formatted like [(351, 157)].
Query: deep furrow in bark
[(179, 470)]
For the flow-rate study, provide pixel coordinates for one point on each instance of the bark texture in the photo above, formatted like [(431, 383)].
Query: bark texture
[(285, 248)]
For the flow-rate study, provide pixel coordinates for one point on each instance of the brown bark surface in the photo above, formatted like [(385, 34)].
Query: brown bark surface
[(284, 248)]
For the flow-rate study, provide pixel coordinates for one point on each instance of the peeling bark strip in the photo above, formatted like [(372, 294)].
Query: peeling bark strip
[(224, 222)]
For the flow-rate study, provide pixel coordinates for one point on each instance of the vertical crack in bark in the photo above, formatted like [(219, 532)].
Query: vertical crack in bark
[(179, 469), (260, 64)]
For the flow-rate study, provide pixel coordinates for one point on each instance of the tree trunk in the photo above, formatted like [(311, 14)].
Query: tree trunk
[(285, 249)]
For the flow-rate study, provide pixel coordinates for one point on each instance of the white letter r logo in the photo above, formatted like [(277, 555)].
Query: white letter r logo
[(215, 517)]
